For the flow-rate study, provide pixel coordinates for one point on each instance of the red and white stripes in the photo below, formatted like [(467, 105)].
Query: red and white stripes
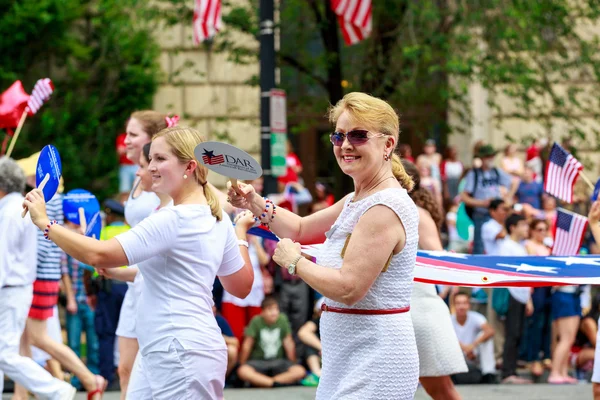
[(41, 93), (354, 17), (207, 19)]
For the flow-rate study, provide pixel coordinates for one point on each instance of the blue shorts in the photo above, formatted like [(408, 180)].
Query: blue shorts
[(565, 305)]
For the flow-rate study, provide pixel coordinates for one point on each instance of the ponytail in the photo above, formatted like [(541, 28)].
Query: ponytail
[(400, 173), (213, 202)]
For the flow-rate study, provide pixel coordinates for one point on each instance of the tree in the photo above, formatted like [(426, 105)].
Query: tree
[(423, 55), (104, 63)]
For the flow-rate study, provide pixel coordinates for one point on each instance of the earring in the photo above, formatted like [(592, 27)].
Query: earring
[(386, 157), (184, 176)]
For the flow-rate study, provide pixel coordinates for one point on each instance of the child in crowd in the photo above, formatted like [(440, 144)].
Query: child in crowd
[(268, 355)]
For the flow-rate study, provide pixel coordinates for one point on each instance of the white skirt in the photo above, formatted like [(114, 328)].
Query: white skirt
[(129, 309), (439, 351), (596, 373)]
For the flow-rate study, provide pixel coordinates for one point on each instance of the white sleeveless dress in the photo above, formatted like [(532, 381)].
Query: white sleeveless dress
[(136, 210), (439, 350), (372, 356)]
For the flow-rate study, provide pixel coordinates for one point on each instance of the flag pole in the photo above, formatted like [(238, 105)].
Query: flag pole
[(587, 180), (18, 131)]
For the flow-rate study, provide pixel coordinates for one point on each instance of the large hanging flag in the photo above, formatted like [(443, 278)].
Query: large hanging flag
[(207, 19), (354, 17), (562, 171), (41, 93), (12, 105), (568, 233)]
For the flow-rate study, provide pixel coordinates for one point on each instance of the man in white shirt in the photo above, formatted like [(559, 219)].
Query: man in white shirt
[(18, 262), (475, 337), (493, 234), (493, 231), (519, 302)]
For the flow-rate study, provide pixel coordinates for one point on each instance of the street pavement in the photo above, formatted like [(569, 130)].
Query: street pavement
[(474, 392)]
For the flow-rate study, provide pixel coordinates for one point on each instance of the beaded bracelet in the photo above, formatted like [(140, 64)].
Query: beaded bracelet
[(48, 228), (265, 213)]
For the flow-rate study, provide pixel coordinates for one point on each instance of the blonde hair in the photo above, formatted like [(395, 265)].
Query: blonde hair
[(152, 121), (183, 141), (377, 115)]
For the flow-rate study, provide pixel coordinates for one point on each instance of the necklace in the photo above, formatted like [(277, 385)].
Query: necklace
[(368, 191)]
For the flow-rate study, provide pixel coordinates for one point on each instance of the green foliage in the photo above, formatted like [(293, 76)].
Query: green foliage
[(423, 55), (103, 61)]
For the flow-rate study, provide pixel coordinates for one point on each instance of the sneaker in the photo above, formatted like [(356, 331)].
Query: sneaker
[(311, 381), (67, 392)]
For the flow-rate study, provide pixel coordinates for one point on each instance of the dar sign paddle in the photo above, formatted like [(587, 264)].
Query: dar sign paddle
[(82, 208), (47, 173), (229, 161)]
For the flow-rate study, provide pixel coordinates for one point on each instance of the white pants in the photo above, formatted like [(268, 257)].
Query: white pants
[(485, 357), (178, 374), (14, 307)]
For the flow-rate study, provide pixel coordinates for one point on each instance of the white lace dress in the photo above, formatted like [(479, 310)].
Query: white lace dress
[(372, 356), (439, 350)]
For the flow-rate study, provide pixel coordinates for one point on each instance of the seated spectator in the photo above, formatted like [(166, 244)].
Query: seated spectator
[(475, 337), (233, 345), (583, 351), (268, 356), (309, 334)]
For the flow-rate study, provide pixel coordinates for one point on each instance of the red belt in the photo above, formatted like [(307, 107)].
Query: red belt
[(325, 307)]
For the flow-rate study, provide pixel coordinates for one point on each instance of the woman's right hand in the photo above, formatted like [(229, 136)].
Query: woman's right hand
[(243, 197)]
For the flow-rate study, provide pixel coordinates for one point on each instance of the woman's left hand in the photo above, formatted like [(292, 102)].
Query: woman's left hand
[(35, 203), (286, 252)]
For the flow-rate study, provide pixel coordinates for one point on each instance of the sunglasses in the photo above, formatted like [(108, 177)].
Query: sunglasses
[(355, 138)]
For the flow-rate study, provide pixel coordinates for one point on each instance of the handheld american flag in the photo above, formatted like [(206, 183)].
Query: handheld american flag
[(354, 17), (562, 172), (568, 233), (41, 93), (207, 19)]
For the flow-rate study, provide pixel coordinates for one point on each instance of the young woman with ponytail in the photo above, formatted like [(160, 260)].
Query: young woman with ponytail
[(365, 267), (440, 354), (179, 250)]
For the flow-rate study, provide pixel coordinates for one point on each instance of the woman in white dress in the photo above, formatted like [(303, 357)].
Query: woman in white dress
[(180, 250), (440, 354), (365, 269)]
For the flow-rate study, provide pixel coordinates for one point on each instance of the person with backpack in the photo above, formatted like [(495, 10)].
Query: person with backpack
[(482, 186)]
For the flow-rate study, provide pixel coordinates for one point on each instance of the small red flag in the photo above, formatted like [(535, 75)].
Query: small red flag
[(12, 105)]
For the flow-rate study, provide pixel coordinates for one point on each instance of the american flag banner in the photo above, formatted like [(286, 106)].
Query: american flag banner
[(562, 171), (568, 233), (446, 268), (207, 19), (354, 17), (209, 157), (41, 93)]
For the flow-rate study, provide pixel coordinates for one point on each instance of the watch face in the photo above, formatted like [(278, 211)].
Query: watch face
[(291, 269)]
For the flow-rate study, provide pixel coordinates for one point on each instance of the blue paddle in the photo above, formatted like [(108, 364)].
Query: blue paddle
[(82, 208), (47, 173)]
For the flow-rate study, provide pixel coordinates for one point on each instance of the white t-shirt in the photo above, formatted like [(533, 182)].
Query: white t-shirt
[(489, 232), (180, 250), (468, 332), (509, 247), (257, 294)]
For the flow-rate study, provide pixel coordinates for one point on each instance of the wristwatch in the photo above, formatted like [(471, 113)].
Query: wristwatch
[(292, 267)]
